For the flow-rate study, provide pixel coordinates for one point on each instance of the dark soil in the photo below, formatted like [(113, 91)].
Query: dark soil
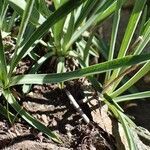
[(51, 106)]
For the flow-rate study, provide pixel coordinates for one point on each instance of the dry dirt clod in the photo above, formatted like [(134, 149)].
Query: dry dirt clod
[(44, 118)]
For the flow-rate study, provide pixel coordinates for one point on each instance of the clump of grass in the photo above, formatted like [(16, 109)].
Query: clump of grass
[(72, 26)]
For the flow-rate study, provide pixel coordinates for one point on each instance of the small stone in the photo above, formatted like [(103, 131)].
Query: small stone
[(54, 122), (44, 119)]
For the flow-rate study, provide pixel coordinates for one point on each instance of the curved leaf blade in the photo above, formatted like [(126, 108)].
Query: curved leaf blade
[(130, 30), (94, 69), (145, 69), (19, 6), (44, 28), (26, 116), (135, 96), (3, 64)]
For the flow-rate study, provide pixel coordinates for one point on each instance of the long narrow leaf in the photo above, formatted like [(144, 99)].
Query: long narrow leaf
[(145, 39), (145, 69), (129, 135), (114, 35), (35, 68), (24, 21), (44, 28), (133, 21), (11, 22), (3, 7), (6, 112), (3, 65), (102, 46), (43, 9), (19, 6), (87, 47), (95, 69), (140, 95), (26, 116), (69, 31), (126, 123), (107, 9), (58, 27), (144, 16), (85, 11)]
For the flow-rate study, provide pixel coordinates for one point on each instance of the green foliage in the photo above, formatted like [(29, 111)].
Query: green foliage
[(72, 28)]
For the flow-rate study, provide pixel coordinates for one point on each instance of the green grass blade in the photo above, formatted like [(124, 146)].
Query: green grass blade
[(86, 9), (82, 47), (144, 16), (126, 124), (126, 127), (6, 112), (58, 3), (145, 69), (28, 32), (19, 6), (77, 11), (43, 8), (44, 28), (146, 26), (135, 96), (145, 39), (105, 11), (3, 65), (25, 19), (11, 21), (108, 11), (26, 116), (102, 46), (35, 68), (132, 89), (69, 31), (87, 48), (97, 85), (58, 27), (111, 101), (114, 35), (3, 10), (94, 69), (61, 65), (133, 21), (40, 62), (1, 84)]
